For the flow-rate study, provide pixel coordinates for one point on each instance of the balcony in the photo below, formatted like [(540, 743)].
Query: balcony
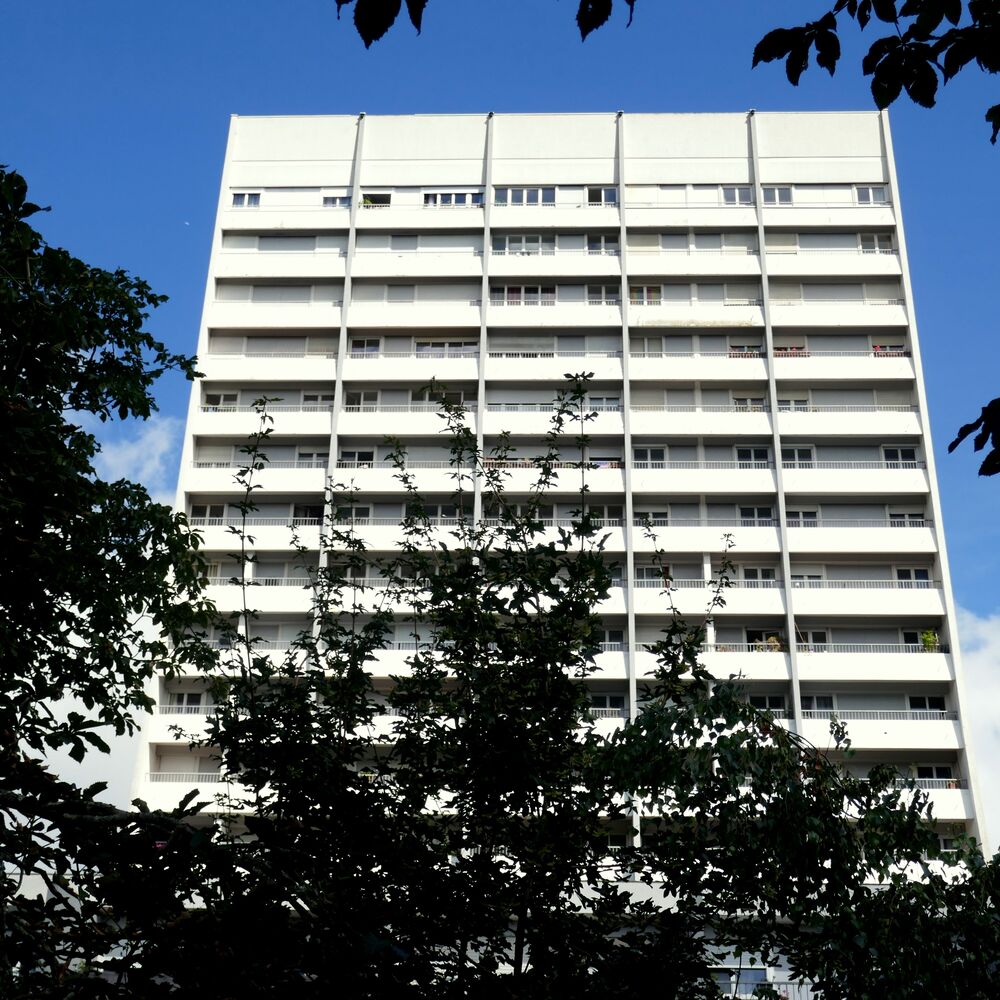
[(863, 661), (536, 419), (241, 421), (735, 262), (837, 477), (892, 420), (432, 314), (383, 419), (831, 262), (540, 313), (282, 264), (731, 366), (896, 535), (887, 730), (279, 367), (269, 533), (603, 264), (445, 365), (864, 313), (269, 315), (705, 534), (730, 313), (703, 477), (551, 366), (858, 597), (818, 366), (729, 420), (288, 477), (457, 263), (752, 660)]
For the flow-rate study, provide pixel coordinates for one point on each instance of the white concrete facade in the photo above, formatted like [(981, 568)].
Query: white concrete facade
[(737, 284)]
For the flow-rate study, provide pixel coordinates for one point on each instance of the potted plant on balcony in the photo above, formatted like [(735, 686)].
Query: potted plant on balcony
[(930, 641)]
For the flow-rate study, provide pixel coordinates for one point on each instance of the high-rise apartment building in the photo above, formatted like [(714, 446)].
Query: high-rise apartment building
[(737, 285)]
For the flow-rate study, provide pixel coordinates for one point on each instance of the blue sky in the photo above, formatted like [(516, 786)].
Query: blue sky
[(117, 113)]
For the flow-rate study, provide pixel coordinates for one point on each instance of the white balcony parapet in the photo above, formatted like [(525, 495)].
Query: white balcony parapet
[(535, 300), (254, 521), (261, 581), (881, 715), (865, 584), (444, 352), (853, 464), (206, 709), (608, 713), (703, 465), (469, 405), (514, 407), (331, 355), (697, 408), (869, 647), (848, 408), (189, 777), (554, 354), (272, 408), (233, 463)]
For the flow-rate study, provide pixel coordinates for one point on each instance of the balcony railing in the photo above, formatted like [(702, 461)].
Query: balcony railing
[(188, 777), (233, 463), (704, 465), (608, 713), (532, 354), (444, 352), (206, 709), (255, 522), (880, 715), (470, 405), (272, 408), (262, 581), (855, 464), (870, 647), (865, 584)]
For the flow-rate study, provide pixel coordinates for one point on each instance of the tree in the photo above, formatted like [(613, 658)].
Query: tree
[(99, 586), (449, 837)]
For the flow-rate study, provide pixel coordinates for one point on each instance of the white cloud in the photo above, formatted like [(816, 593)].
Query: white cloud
[(980, 637), (147, 452)]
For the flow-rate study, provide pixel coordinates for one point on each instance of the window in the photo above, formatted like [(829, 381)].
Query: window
[(738, 350), (221, 399), (612, 639), (523, 244), (751, 457), (737, 194), (897, 456), (354, 512), (911, 637), (645, 295), (905, 519), (317, 399), (914, 577), (755, 403), (876, 242), (443, 348), (759, 576), (307, 513), (797, 458), (376, 199), (612, 704), (603, 403), (336, 201), (400, 293), (814, 640), (185, 701), (313, 459), (603, 245), (766, 640), (608, 515), (208, 511), (649, 457), (602, 196), (452, 199), (529, 295), (934, 772), (768, 702), (246, 199), (609, 295), (806, 579), (524, 196), (778, 195), (817, 703), (871, 194), (802, 518), (754, 516), (655, 518), (926, 703), (889, 350), (653, 574), (362, 459), (364, 346), (361, 399), (793, 404)]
